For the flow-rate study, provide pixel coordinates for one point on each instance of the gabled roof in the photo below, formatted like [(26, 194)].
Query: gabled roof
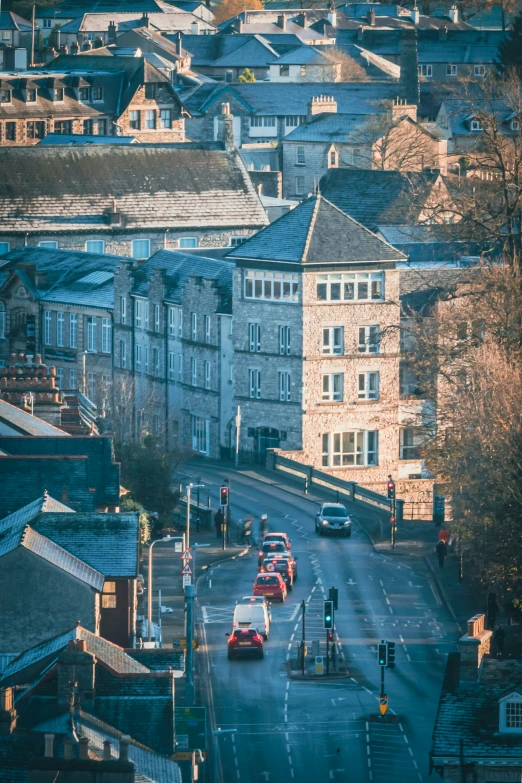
[(376, 197), (71, 9), (11, 21), (170, 20), (42, 505), (16, 419), (316, 232), (305, 55), (328, 127), (228, 50)]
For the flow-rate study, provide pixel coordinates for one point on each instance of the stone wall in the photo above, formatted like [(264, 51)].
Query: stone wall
[(316, 163)]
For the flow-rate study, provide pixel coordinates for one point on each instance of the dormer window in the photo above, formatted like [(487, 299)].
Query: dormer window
[(150, 91), (333, 158), (31, 95), (515, 125), (5, 96), (58, 94), (97, 93), (475, 125), (511, 713), (85, 94)]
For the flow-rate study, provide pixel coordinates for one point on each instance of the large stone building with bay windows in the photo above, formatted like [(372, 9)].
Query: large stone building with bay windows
[(317, 372)]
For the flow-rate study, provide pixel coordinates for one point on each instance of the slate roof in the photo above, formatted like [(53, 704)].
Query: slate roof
[(25, 424), (376, 197), (11, 21), (166, 21), (42, 505), (316, 232), (328, 127), (71, 9), (229, 50), (471, 715), (66, 139), (170, 186), (305, 55), (269, 28)]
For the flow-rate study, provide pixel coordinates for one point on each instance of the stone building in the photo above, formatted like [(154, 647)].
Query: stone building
[(174, 352), (126, 200), (105, 96)]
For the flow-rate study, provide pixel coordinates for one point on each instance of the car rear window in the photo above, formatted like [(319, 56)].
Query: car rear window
[(335, 511), (267, 580), (274, 546), (245, 632)]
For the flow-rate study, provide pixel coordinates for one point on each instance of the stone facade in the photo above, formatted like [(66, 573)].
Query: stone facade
[(305, 163)]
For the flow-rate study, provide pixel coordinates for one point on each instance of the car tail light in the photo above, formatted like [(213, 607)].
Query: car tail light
[(258, 638), (260, 554)]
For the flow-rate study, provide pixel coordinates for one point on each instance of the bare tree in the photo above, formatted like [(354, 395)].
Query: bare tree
[(346, 69)]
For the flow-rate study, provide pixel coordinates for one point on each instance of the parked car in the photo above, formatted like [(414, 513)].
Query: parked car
[(245, 641), (254, 614), (333, 518), (271, 586)]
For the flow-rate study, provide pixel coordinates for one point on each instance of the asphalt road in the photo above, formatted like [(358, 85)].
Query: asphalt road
[(313, 731)]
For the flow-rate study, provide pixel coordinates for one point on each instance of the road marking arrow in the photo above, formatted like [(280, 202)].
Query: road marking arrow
[(351, 582), (266, 775)]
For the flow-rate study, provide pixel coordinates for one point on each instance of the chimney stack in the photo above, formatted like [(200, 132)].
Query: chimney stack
[(75, 47), (409, 79), (371, 17), (107, 751), (300, 19), (454, 14), (49, 746), (443, 33), (281, 22), (144, 21), (226, 127), (322, 103), (8, 715), (177, 42), (87, 46), (415, 15), (83, 751), (473, 646), (194, 27), (111, 33), (124, 747)]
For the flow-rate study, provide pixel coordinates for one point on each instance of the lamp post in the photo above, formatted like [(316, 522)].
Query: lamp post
[(149, 582)]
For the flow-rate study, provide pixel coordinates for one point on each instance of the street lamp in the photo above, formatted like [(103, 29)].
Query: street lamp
[(149, 580), (215, 735)]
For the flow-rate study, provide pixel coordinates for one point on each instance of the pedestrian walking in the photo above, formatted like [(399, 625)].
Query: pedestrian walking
[(264, 525), (498, 638), (246, 535), (444, 534), (218, 522), (492, 611), (441, 553)]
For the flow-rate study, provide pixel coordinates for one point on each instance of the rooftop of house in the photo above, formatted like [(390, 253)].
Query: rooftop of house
[(316, 232), (186, 185), (327, 127), (70, 9), (17, 421), (78, 139), (305, 55), (376, 197), (254, 27), (11, 21), (170, 20), (229, 50)]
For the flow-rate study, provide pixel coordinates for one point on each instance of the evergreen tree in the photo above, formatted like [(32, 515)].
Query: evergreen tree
[(247, 76), (510, 49)]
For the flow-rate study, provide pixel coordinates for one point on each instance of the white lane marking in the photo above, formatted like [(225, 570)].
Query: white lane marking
[(381, 583), (400, 637), (387, 600), (294, 613)]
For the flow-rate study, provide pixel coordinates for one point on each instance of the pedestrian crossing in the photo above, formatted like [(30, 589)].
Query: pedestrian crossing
[(211, 614), (390, 756)]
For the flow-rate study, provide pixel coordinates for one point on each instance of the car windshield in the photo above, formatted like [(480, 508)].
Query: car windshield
[(274, 547), (334, 511), (267, 580)]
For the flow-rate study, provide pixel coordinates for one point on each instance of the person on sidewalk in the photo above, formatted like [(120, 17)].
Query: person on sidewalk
[(218, 522), (441, 553), (498, 638), (444, 534), (246, 535)]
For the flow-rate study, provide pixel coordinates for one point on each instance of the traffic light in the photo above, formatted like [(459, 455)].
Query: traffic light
[(391, 489), (382, 654), (328, 614), (333, 595), (391, 655), (224, 496), (330, 636)]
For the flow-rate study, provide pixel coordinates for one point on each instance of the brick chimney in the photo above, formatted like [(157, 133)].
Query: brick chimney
[(177, 43), (453, 14), (473, 646), (409, 80), (76, 676), (144, 21), (320, 104), (111, 33), (8, 715), (371, 17), (87, 46), (300, 19), (401, 108), (75, 47), (226, 127), (32, 387)]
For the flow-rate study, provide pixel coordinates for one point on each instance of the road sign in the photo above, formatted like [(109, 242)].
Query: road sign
[(190, 723), (319, 664), (383, 703), (177, 643), (186, 755), (187, 569), (187, 580), (187, 555)]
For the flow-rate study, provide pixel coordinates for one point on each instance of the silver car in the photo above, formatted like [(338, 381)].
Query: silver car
[(333, 518)]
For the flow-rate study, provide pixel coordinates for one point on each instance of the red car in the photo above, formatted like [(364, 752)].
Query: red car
[(271, 586), (245, 641)]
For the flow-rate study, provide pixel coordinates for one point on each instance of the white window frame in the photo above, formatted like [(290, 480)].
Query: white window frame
[(254, 338), (123, 354), (138, 357), (300, 155), (333, 340), (337, 451), (73, 330), (513, 701), (369, 339), (47, 326), (207, 374), (368, 385), (180, 323), (332, 387), (172, 366), (451, 70), (200, 435), (172, 321), (145, 358), (207, 329), (106, 335), (155, 361), (141, 244), (299, 185), (156, 317), (123, 309), (479, 70), (180, 367), (60, 322), (352, 283), (193, 372), (194, 326), (73, 380), (271, 286), (284, 340), (48, 244), (89, 245), (91, 334), (139, 313), (254, 384), (60, 377), (186, 243), (515, 125), (294, 120), (236, 241), (475, 125), (409, 442), (165, 121), (285, 382), (91, 385), (426, 70)]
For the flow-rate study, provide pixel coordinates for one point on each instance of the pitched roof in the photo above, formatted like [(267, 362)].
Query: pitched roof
[(17, 420), (305, 55), (328, 127), (11, 21), (316, 232), (42, 505), (376, 197), (171, 186), (228, 50), (74, 8), (170, 20)]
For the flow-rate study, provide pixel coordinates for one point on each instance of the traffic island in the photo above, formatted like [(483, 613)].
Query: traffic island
[(315, 669)]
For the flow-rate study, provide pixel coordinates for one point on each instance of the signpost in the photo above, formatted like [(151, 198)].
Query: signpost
[(191, 735)]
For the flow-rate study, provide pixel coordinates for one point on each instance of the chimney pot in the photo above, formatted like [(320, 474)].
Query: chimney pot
[(67, 748), (124, 747), (49, 743), (81, 646), (83, 752), (106, 750), (71, 645), (415, 15), (454, 14)]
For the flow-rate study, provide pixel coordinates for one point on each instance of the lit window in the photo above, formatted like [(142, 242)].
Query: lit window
[(350, 449), (109, 595)]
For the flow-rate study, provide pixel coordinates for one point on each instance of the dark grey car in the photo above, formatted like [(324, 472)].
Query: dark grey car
[(333, 518)]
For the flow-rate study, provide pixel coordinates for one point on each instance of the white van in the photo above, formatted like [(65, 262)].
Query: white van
[(252, 615)]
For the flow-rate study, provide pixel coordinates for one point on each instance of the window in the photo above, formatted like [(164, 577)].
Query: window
[(123, 309), (91, 385), (150, 91), (368, 386), (48, 245), (165, 118), (475, 125), (426, 70), (63, 126), (284, 340), (479, 70), (229, 76), (155, 361), (30, 95), (186, 242), (236, 241), (145, 358), (451, 70), (106, 335), (303, 70), (4, 247), (73, 330), (2, 321), (333, 387), (91, 334), (123, 354), (299, 186), (284, 70), (254, 338), (333, 340), (513, 714), (60, 319), (294, 120), (200, 435), (180, 323), (180, 367), (97, 93), (408, 382), (156, 318), (349, 449), (58, 94), (109, 595), (150, 119), (172, 366), (194, 325), (172, 320), (84, 94), (140, 248), (349, 287), (368, 339), (47, 327), (35, 129), (60, 377), (139, 355), (6, 35), (300, 155), (262, 122), (139, 313), (207, 329), (273, 286), (515, 125), (284, 386), (409, 441), (333, 160), (87, 128), (134, 119), (207, 375), (102, 127), (5, 96), (95, 246), (10, 131), (73, 383), (193, 372), (254, 382), (47, 23)]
